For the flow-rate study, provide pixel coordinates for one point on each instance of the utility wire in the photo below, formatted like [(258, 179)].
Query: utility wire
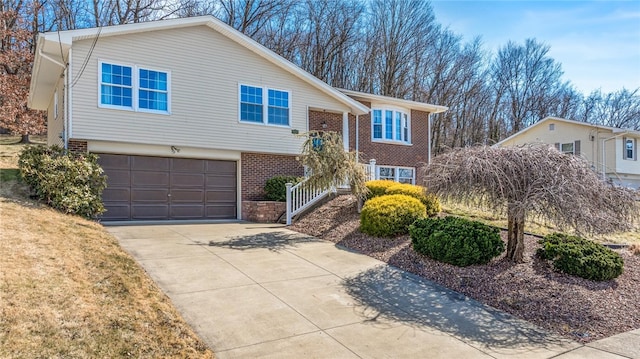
[(86, 59)]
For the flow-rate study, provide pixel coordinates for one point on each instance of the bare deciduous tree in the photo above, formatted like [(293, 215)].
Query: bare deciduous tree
[(532, 180), (527, 80), (616, 109)]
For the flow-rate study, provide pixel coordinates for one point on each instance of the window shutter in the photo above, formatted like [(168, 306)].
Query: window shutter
[(576, 148), (557, 146), (624, 148), (635, 149)]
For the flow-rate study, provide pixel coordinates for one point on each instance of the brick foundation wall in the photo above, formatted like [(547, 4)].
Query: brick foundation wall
[(257, 168), (77, 146), (262, 211)]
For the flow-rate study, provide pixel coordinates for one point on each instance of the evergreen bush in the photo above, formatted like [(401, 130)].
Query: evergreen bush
[(276, 190), (455, 240), (580, 257), (70, 182), (430, 200), (388, 216)]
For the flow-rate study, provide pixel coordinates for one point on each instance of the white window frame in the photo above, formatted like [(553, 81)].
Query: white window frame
[(55, 104), (573, 148), (265, 106), (135, 88), (634, 149), (396, 173), (404, 116)]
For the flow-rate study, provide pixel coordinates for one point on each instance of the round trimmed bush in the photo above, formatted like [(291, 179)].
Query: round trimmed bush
[(378, 187), (580, 257), (388, 216), (430, 200), (455, 240)]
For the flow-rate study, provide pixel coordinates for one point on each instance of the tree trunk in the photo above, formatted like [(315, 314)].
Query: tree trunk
[(25, 139), (515, 242)]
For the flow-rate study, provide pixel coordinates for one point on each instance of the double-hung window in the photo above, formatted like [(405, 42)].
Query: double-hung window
[(135, 88), (153, 91), (629, 150), (116, 86), (254, 109), (390, 126), (251, 104)]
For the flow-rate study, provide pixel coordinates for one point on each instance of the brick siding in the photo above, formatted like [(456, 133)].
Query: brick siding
[(262, 211), (257, 168), (77, 146)]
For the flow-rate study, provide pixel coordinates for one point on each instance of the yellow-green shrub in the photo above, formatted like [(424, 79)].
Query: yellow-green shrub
[(378, 187), (430, 200), (390, 215)]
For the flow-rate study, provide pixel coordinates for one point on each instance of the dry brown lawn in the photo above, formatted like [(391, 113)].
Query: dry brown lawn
[(535, 226), (67, 289)]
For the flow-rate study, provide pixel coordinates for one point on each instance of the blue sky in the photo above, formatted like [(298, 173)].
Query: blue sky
[(597, 42)]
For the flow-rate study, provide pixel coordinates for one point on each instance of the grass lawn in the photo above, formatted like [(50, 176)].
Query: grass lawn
[(534, 226), (67, 289)]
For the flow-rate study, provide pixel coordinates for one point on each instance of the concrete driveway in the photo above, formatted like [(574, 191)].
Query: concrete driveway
[(262, 291)]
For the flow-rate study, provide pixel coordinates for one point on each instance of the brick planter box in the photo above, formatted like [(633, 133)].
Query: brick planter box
[(262, 211)]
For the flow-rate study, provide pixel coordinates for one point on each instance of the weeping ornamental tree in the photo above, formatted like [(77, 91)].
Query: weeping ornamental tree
[(532, 180), (330, 164)]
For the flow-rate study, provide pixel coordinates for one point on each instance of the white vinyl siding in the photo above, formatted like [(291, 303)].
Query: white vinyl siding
[(55, 116), (206, 70)]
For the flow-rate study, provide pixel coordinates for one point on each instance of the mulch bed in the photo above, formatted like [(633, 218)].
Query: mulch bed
[(580, 309)]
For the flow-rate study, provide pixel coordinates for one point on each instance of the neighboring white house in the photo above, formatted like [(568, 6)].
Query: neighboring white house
[(612, 151), (190, 117)]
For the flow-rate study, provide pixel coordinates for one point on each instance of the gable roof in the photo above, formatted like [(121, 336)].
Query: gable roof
[(52, 51), (395, 101), (614, 130)]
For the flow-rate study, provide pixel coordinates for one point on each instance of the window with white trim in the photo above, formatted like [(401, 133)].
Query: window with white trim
[(254, 109), (398, 174), (135, 88), (390, 126), (55, 105), (567, 148), (629, 150), (153, 92)]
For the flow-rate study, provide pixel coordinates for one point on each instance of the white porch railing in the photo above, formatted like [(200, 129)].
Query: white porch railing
[(302, 196)]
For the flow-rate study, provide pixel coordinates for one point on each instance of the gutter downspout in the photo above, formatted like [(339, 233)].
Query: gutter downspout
[(429, 139), (604, 152), (357, 133), (65, 120), (68, 100)]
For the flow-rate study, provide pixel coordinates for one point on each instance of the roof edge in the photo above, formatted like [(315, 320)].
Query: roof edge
[(395, 101), (69, 36)]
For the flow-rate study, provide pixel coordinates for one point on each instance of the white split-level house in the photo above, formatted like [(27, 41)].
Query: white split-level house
[(190, 117), (611, 151)]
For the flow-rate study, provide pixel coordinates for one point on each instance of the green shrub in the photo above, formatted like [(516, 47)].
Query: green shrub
[(70, 182), (580, 257), (276, 190), (428, 199), (378, 187), (387, 216), (455, 240)]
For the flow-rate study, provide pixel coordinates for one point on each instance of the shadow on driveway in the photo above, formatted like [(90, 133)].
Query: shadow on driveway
[(273, 241), (409, 299)]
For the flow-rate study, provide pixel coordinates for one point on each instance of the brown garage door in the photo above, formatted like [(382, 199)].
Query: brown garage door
[(160, 188)]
